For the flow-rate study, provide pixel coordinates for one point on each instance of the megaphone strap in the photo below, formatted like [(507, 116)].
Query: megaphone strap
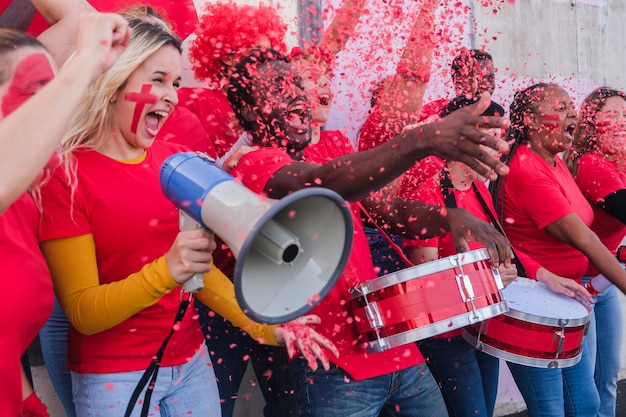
[(150, 375)]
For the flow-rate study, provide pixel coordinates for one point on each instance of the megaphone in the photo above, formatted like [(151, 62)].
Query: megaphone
[(290, 252)]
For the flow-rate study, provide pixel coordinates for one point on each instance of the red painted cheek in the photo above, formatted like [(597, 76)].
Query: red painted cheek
[(30, 75), (605, 127), (142, 98), (550, 121)]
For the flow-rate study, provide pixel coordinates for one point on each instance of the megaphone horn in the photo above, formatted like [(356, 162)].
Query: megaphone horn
[(290, 252)]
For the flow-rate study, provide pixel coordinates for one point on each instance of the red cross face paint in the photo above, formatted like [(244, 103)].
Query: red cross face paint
[(30, 74), (142, 98)]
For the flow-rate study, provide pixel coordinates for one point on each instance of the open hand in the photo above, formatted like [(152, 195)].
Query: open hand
[(458, 136), (466, 228), (297, 335)]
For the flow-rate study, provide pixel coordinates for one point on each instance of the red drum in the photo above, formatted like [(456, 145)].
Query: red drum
[(426, 300), (542, 328)]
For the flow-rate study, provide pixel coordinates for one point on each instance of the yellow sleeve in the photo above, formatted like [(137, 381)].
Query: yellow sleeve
[(219, 295), (92, 307)]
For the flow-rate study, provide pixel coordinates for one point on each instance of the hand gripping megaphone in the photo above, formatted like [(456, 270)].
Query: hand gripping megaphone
[(290, 252)]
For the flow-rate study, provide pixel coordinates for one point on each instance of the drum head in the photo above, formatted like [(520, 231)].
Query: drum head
[(536, 298)]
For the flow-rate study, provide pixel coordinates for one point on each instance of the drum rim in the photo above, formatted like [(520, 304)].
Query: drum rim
[(538, 319), (408, 274), (523, 360), (547, 321), (434, 329)]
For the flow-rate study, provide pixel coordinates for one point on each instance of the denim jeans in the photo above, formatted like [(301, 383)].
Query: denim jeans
[(53, 339), (558, 392), (386, 259), (412, 392), (604, 339), (467, 377), (230, 349), (179, 391)]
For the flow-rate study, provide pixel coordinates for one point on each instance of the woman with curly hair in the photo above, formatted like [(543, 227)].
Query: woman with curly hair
[(556, 233), (596, 160)]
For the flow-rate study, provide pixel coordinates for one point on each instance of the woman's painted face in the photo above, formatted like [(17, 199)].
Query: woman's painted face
[(148, 97), (610, 124), (554, 120), (317, 84), (32, 69)]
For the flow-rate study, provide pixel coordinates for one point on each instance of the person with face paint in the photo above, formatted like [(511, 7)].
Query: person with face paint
[(117, 258), (596, 160), (281, 129), (555, 234), (467, 377), (27, 87)]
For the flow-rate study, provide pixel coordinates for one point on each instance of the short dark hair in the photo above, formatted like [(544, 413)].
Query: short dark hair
[(10, 41), (240, 85), (477, 54), (465, 100)]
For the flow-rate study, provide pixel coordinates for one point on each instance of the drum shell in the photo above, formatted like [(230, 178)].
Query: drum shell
[(530, 339), (426, 300)]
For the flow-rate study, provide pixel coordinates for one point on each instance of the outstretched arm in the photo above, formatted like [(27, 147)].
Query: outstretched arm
[(456, 137)]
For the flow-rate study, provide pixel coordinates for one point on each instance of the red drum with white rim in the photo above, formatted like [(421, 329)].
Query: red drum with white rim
[(426, 300), (542, 328)]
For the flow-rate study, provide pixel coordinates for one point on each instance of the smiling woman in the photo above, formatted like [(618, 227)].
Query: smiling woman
[(544, 214)]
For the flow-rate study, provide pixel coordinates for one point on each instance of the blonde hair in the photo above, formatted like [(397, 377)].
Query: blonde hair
[(89, 126)]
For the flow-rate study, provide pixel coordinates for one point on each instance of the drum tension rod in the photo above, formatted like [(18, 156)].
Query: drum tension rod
[(560, 341), (466, 290), (374, 318)]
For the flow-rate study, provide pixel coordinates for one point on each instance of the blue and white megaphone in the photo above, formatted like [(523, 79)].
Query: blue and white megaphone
[(290, 252)]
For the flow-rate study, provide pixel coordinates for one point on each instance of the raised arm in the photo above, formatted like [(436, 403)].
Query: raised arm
[(403, 97), (342, 26), (17, 15), (102, 37)]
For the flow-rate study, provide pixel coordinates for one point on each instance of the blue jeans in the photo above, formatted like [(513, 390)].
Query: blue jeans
[(53, 339), (179, 391), (412, 392), (558, 392), (230, 348), (604, 339), (386, 259), (467, 377)]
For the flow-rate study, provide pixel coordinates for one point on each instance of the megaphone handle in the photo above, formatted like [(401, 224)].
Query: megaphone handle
[(196, 282)]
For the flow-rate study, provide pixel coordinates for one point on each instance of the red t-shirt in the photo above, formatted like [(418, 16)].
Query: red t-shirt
[(27, 297), (597, 178), (332, 144), (536, 195), (180, 14), (214, 112), (254, 170), (429, 192), (132, 223), (432, 108)]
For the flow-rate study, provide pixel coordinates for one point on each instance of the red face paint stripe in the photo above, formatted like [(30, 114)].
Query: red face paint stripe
[(142, 98)]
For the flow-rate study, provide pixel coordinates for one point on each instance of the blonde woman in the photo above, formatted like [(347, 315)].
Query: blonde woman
[(117, 258)]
